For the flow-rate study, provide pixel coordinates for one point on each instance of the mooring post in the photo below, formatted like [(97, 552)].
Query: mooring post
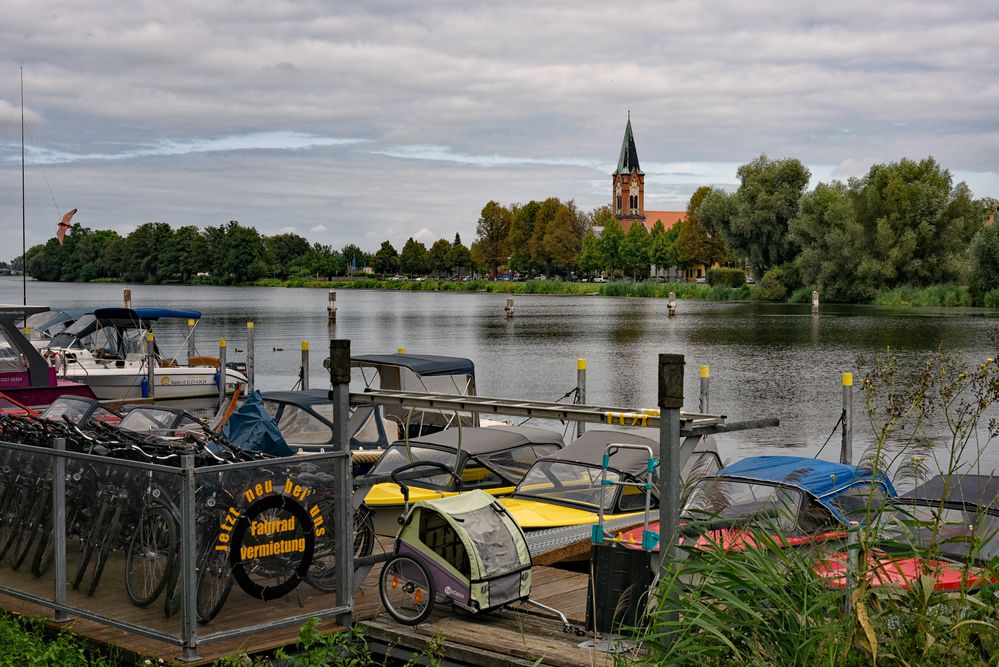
[(815, 301), (509, 306), (580, 392), (852, 561), (249, 357), (339, 395), (331, 306), (188, 558), (670, 402), (846, 451), (400, 350), (305, 365), (671, 304), (150, 366), (704, 399), (127, 297), (222, 366), (59, 528), (191, 348)]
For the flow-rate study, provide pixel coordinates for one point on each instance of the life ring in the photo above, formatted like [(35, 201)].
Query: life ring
[(55, 359)]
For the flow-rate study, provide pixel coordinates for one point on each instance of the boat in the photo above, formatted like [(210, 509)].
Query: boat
[(493, 459), (945, 530), (791, 501), (25, 376), (565, 489), (106, 349)]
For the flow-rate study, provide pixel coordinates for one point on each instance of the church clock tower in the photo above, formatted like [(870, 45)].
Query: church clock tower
[(628, 183)]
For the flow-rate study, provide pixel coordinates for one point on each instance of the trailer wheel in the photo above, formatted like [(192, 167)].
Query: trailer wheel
[(406, 589)]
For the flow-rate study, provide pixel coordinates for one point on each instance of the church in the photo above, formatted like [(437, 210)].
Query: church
[(628, 187)]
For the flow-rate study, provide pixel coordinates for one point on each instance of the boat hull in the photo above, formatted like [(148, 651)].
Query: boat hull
[(114, 384)]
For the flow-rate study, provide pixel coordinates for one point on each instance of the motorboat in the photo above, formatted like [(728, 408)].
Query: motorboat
[(790, 501), (945, 530), (565, 489), (493, 459), (25, 376), (106, 349)]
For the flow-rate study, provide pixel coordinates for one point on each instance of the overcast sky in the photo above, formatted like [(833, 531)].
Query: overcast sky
[(368, 121)]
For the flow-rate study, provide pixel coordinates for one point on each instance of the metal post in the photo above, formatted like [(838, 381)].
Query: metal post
[(852, 561), (704, 401), (331, 307), (670, 402), (344, 509), (846, 452), (581, 388), (222, 362), (305, 365), (188, 558), (191, 348), (401, 350), (815, 301), (150, 365), (59, 527), (249, 357)]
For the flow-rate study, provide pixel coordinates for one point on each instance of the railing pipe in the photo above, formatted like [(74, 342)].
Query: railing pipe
[(191, 347), (305, 365), (222, 367), (581, 389), (150, 366), (59, 528), (249, 357), (846, 451), (704, 400), (670, 402)]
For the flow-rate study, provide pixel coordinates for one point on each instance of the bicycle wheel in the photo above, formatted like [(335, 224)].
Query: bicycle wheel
[(406, 589), (16, 504), (214, 583), (107, 544), (91, 538), (33, 522), (151, 556), (322, 572)]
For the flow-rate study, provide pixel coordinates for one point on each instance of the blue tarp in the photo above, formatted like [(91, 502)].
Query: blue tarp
[(252, 428), (818, 478), (157, 313)]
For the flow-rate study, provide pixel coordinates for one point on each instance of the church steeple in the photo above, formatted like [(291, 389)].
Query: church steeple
[(628, 160), (628, 182)]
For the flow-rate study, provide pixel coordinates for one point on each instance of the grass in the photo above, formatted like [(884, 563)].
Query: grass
[(26, 641), (946, 294)]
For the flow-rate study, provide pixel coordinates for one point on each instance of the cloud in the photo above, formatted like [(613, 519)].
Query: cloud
[(288, 230), (319, 228)]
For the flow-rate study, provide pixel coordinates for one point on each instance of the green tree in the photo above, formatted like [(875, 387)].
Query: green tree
[(413, 258), (544, 218), (189, 252), (491, 234), (663, 253), (612, 245), (240, 253), (285, 249), (985, 261), (590, 259), (145, 253), (918, 225), (564, 237), (521, 231), (386, 259), (635, 250), (439, 257), (700, 242), (352, 259), (765, 203), (459, 258)]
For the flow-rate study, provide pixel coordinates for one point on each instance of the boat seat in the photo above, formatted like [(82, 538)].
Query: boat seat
[(204, 361)]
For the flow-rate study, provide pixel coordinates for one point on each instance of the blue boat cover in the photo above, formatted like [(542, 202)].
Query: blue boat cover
[(157, 313), (421, 364), (252, 428), (821, 479)]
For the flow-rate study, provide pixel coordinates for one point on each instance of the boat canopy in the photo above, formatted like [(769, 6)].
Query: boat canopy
[(47, 320), (167, 313), (485, 440), (421, 364), (980, 490), (589, 448), (815, 477)]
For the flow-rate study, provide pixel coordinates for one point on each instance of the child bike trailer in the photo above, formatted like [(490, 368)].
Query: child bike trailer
[(465, 549)]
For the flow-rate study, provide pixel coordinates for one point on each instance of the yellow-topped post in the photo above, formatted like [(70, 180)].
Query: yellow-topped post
[(305, 365), (401, 350), (846, 452), (150, 366), (191, 349), (703, 401), (580, 392), (222, 364), (250, 329)]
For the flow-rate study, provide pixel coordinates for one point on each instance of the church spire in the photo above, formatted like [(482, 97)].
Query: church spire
[(628, 160)]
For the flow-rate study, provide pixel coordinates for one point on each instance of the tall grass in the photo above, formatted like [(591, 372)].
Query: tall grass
[(947, 294)]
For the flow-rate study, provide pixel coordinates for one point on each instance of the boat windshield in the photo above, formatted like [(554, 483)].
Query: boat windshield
[(568, 483), (11, 360), (146, 420), (75, 410), (733, 499), (398, 455), (955, 532)]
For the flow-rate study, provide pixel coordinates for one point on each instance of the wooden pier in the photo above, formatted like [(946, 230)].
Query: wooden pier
[(517, 636)]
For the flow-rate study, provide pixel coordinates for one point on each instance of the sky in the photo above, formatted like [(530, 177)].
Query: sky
[(361, 122)]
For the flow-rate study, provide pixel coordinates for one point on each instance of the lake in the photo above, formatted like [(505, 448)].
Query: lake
[(765, 359)]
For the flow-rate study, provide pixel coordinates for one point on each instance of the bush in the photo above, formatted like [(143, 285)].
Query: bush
[(772, 286), (947, 294), (726, 277)]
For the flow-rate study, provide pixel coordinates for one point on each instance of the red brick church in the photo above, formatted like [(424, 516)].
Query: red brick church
[(628, 189)]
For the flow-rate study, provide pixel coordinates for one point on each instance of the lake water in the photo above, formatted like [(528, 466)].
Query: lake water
[(765, 359)]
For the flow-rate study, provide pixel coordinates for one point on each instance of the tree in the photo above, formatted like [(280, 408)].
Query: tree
[(612, 245), (439, 257), (386, 259), (985, 261), (491, 235), (663, 252), (835, 258), (413, 258), (700, 243), (563, 237), (459, 258), (765, 203), (589, 259), (285, 249), (189, 252), (918, 225), (353, 257), (521, 232), (635, 250)]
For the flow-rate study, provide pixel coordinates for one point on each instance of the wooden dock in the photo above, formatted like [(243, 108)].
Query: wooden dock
[(517, 637)]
